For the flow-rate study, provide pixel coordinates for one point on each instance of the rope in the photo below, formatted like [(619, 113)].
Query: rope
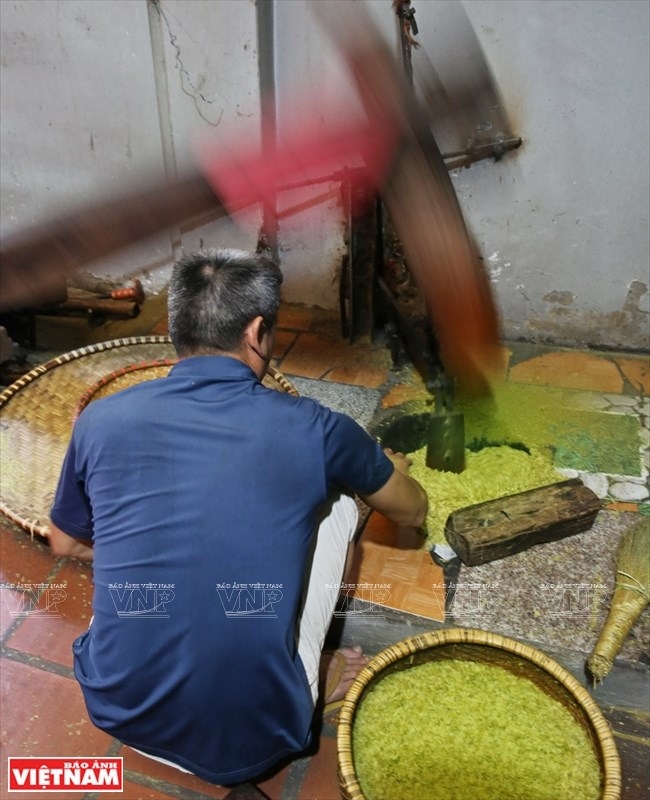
[(635, 586)]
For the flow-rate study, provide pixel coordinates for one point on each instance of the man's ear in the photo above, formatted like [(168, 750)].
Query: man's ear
[(254, 333)]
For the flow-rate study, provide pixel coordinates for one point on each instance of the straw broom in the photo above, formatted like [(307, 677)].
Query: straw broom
[(631, 596)]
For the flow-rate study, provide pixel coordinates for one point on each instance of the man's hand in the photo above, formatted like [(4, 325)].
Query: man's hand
[(64, 545), (401, 462), (402, 500)]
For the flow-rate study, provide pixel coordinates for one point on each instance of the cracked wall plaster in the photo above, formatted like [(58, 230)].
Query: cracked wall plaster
[(628, 328)]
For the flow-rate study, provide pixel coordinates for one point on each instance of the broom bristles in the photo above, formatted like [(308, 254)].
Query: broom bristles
[(633, 558), (631, 596)]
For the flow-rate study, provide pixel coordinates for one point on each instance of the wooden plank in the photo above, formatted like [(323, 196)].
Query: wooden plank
[(505, 526)]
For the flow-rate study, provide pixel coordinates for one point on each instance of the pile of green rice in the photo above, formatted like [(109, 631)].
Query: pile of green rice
[(489, 473), (461, 730)]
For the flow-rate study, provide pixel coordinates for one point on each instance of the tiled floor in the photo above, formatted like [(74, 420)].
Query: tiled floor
[(46, 602)]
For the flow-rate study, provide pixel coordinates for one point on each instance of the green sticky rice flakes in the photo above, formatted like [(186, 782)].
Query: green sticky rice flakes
[(490, 473), (547, 417), (461, 730)]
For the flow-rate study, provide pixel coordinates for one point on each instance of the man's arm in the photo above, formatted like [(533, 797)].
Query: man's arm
[(63, 544), (401, 499)]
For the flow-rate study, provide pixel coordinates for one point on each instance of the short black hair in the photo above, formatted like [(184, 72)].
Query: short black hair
[(215, 294)]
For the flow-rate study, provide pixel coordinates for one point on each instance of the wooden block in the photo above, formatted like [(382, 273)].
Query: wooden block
[(508, 525)]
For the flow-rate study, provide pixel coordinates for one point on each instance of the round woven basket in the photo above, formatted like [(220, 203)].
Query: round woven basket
[(489, 648), (37, 413)]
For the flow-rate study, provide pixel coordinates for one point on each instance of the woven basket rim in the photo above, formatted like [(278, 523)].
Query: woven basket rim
[(101, 347), (414, 644), (66, 358)]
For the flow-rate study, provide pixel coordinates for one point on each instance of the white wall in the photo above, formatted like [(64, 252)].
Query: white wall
[(210, 84), (564, 223), (94, 92), (97, 94)]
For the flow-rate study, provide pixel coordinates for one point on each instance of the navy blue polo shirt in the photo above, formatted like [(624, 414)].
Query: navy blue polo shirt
[(200, 492)]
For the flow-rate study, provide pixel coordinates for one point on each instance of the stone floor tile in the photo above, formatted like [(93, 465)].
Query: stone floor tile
[(283, 341), (569, 370), (11, 604), (273, 786), (636, 372), (312, 356), (327, 358), (390, 569), (621, 506), (23, 559), (137, 763), (44, 715), (404, 393), (370, 375), (321, 781), (24, 564), (50, 634), (136, 791), (161, 328), (303, 318)]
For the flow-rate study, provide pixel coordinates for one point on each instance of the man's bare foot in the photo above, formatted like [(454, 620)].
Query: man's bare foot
[(339, 669)]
